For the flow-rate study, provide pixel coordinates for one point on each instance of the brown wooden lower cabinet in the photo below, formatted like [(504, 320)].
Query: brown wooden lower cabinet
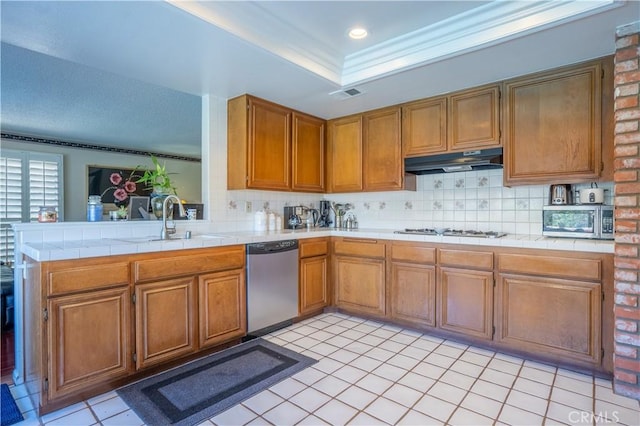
[(86, 320), (81, 329), (465, 292), (88, 339), (550, 316), (165, 320), (359, 275), (313, 284), (412, 283), (222, 309), (465, 302), (551, 305), (313, 280), (413, 293), (360, 284)]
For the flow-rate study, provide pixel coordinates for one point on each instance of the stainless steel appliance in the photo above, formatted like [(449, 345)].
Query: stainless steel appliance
[(560, 194), (293, 217), (455, 162), (578, 221), (313, 216), (272, 285), (325, 214), (593, 195), (452, 232)]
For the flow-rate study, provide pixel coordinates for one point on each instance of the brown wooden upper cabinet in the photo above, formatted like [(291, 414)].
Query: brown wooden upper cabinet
[(344, 152), (553, 126), (365, 152), (462, 121), (273, 147)]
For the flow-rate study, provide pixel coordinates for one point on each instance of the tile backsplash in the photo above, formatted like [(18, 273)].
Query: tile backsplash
[(466, 200)]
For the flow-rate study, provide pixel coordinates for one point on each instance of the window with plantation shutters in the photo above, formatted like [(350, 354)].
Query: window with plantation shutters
[(28, 180)]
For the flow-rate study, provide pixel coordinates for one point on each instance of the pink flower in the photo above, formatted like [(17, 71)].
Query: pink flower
[(120, 194), (121, 187), (130, 186), (115, 178)]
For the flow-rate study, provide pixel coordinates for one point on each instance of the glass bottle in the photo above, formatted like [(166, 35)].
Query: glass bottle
[(94, 209)]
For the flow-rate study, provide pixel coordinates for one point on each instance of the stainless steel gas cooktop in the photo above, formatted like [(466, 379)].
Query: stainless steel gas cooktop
[(452, 232)]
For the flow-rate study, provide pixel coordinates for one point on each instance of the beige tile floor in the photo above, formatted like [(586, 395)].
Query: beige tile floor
[(369, 373)]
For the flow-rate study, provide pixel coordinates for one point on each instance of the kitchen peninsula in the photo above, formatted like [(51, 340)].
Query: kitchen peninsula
[(513, 294)]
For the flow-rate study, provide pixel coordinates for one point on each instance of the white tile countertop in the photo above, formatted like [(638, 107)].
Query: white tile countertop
[(77, 242)]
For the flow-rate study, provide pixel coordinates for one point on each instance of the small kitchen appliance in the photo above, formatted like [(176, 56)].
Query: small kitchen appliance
[(593, 195), (560, 194), (324, 221), (593, 221), (313, 216), (293, 217)]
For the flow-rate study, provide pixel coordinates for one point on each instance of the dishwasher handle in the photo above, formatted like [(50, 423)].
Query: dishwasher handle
[(272, 247)]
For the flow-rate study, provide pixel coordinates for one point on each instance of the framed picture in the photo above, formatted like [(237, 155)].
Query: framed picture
[(99, 182), (138, 207)]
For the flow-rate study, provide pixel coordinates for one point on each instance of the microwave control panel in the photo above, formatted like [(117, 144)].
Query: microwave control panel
[(607, 221)]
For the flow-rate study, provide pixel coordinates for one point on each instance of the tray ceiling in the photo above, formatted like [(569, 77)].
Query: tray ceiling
[(158, 56)]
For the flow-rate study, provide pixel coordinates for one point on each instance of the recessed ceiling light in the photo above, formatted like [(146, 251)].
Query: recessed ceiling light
[(357, 33)]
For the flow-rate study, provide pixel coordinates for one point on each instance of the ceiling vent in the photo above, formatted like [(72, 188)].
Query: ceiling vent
[(346, 94)]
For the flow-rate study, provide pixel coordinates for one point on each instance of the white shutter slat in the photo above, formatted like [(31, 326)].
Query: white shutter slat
[(28, 180)]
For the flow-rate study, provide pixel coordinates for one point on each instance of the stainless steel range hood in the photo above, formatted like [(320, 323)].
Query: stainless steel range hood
[(455, 162)]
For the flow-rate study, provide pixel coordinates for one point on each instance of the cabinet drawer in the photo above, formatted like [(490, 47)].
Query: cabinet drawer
[(360, 248), (413, 253), (466, 258), (175, 265), (89, 277), (588, 269), (314, 247)]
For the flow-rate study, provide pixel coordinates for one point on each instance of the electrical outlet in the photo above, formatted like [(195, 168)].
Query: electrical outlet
[(247, 206)]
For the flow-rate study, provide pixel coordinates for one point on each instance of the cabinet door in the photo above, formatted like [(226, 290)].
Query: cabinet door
[(360, 284), (550, 316), (222, 305), (269, 146), (88, 340), (164, 320), (424, 127), (465, 302), (413, 293), (313, 284), (382, 150), (553, 127), (345, 154), (474, 119), (308, 153)]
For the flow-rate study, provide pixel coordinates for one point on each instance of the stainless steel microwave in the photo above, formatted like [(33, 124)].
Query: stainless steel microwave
[(578, 221)]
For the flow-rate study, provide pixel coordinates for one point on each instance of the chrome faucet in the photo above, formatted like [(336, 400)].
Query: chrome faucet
[(167, 231)]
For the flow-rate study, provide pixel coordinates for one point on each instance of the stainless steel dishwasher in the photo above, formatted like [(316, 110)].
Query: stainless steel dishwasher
[(272, 285)]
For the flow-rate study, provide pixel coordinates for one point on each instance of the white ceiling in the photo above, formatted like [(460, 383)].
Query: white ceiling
[(120, 73)]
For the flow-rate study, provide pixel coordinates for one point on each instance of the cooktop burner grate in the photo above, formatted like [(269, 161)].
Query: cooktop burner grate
[(452, 232)]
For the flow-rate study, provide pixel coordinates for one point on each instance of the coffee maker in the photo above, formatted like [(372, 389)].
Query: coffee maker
[(325, 220), (293, 217)]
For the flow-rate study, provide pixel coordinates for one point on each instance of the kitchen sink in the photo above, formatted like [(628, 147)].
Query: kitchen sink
[(180, 237)]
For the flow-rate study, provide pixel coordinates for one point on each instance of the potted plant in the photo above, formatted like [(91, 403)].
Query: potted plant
[(157, 178), (159, 181)]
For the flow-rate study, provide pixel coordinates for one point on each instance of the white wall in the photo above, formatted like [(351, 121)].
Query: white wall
[(187, 174)]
